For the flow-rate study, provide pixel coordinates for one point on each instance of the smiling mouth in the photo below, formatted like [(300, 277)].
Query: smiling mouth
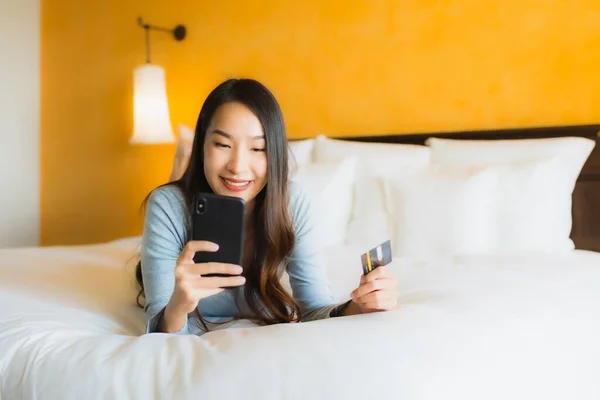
[(235, 184)]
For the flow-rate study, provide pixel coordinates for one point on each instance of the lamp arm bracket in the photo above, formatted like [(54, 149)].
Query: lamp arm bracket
[(179, 33)]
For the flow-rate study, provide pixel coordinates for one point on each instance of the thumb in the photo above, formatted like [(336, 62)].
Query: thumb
[(363, 279)]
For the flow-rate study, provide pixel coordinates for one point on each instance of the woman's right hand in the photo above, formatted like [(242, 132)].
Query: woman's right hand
[(190, 284)]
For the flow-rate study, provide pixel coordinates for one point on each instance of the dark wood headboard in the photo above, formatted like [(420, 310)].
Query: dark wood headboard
[(586, 196)]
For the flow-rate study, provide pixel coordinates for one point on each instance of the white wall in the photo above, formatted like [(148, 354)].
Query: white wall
[(19, 122)]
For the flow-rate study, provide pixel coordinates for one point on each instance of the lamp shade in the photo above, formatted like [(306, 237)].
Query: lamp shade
[(151, 120)]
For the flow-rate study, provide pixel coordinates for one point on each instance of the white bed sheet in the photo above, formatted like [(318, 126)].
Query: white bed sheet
[(518, 327)]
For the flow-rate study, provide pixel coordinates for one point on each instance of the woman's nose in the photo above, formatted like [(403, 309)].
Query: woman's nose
[(238, 163)]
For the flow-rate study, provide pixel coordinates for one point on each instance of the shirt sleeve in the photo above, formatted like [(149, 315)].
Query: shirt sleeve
[(306, 266), (162, 241)]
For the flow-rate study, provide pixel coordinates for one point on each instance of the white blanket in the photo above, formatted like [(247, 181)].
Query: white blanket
[(518, 327)]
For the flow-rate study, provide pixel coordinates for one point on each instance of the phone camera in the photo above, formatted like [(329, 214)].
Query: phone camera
[(201, 206)]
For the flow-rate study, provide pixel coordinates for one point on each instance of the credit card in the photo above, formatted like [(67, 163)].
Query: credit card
[(377, 257)]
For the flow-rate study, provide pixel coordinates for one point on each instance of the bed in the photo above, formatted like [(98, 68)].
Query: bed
[(515, 324)]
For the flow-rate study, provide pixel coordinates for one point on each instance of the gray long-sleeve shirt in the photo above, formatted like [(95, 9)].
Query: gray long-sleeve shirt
[(164, 237)]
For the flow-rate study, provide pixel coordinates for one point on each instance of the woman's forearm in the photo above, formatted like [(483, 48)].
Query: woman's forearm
[(173, 320)]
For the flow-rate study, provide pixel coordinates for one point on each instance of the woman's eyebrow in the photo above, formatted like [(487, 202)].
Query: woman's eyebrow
[(228, 136), (221, 133)]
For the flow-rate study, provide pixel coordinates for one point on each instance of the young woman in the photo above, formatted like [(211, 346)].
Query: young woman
[(240, 149)]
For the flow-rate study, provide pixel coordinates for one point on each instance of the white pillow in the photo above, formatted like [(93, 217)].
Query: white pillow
[(369, 225), (379, 159), (330, 187), (568, 155), (532, 208), (573, 151), (301, 151), (442, 211), (491, 209)]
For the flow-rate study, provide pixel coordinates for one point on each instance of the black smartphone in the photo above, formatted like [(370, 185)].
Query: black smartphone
[(221, 220)]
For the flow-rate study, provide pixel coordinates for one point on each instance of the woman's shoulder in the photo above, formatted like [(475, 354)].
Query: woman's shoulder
[(299, 203), (164, 223), (296, 193), (167, 200)]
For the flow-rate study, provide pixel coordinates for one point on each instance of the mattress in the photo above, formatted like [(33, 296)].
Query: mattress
[(489, 327)]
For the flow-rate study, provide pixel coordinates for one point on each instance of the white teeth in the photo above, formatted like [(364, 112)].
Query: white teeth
[(237, 184)]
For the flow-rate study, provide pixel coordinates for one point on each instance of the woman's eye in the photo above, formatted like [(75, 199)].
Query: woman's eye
[(218, 144), (258, 150)]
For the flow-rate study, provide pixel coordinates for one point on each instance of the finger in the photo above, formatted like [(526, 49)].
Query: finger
[(379, 284), (377, 273), (204, 292), (193, 292), (194, 246), (380, 306), (219, 282), (373, 298), (213, 268), (379, 295)]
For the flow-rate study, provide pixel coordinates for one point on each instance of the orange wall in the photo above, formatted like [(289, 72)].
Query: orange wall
[(353, 67)]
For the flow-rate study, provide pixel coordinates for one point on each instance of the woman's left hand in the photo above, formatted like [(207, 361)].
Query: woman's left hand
[(376, 292)]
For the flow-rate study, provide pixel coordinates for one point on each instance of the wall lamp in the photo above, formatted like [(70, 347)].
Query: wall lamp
[(151, 120)]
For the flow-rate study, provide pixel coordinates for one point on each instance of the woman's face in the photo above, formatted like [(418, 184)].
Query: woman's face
[(235, 157)]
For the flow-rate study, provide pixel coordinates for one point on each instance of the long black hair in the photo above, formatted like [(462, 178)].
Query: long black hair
[(274, 231)]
